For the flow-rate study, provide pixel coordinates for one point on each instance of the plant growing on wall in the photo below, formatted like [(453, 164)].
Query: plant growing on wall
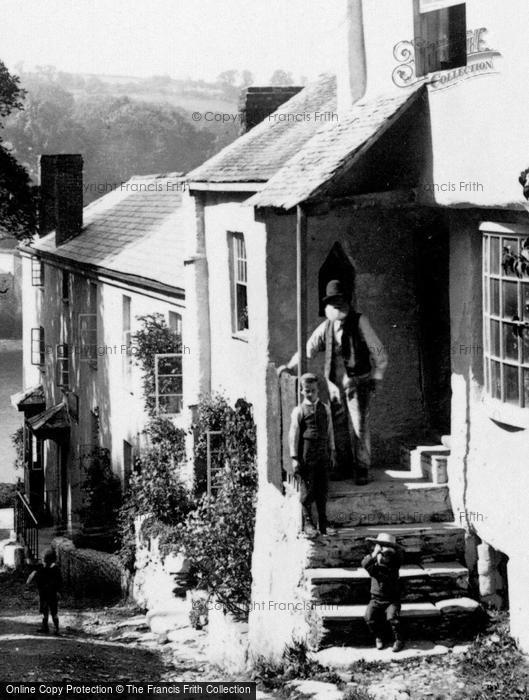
[(101, 492), (237, 443), (156, 490), (155, 337), (217, 536), (17, 439)]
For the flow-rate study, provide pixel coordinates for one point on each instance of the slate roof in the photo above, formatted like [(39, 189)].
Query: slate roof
[(132, 231), (258, 155), (332, 150)]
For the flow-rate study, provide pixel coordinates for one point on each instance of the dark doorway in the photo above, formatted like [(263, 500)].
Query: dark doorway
[(433, 301), (337, 266)]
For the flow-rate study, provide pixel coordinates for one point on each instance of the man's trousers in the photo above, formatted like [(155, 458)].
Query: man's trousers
[(350, 413)]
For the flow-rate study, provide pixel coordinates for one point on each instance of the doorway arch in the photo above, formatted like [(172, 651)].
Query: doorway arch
[(337, 266)]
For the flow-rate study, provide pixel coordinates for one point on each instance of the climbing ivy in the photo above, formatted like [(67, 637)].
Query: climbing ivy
[(217, 536), (155, 337)]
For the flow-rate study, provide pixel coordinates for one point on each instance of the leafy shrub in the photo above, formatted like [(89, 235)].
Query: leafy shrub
[(493, 667), (7, 495), (295, 665), (156, 490), (218, 535), (238, 443), (154, 338), (17, 439), (101, 490)]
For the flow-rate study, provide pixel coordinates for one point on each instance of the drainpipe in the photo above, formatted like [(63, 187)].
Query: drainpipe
[(301, 290)]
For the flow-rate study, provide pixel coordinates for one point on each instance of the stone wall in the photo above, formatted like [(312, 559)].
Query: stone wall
[(154, 581), (280, 605), (88, 573), (228, 646)]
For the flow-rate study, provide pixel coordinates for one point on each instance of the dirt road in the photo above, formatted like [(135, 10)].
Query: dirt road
[(96, 643)]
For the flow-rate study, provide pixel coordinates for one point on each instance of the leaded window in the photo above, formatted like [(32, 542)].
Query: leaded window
[(506, 313)]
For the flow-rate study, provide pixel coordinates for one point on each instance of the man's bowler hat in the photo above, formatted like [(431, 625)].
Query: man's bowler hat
[(336, 288)]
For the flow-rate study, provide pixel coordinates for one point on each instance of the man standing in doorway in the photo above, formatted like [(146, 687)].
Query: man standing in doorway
[(355, 362)]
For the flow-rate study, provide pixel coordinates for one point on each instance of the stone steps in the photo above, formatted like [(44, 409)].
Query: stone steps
[(397, 499), (413, 505), (421, 542), (428, 583), (456, 618)]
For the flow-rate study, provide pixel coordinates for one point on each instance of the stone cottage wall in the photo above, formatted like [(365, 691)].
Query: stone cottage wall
[(488, 475), (280, 607), (387, 248)]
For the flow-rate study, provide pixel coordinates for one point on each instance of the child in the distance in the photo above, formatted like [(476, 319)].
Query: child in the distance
[(47, 577)]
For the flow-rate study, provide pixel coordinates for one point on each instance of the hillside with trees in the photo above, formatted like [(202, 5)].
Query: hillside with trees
[(122, 125)]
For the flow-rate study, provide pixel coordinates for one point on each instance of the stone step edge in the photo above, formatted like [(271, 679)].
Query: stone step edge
[(402, 529), (344, 613), (343, 657), (336, 574), (386, 487)]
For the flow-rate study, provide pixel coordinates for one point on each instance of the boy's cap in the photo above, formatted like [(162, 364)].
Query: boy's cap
[(308, 378), (385, 539)]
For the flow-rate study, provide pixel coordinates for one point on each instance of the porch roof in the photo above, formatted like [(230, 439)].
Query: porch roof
[(137, 230), (28, 398), (333, 150), (50, 422)]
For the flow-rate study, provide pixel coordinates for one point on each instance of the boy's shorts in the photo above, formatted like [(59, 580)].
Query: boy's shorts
[(49, 606)]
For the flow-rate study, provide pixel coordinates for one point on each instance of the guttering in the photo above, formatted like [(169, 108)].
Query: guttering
[(227, 186), (91, 270)]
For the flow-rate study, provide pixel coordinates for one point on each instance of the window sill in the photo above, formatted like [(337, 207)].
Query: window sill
[(505, 413), (240, 335)]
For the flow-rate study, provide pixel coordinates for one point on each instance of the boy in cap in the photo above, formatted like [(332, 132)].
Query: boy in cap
[(383, 566), (49, 583), (311, 440)]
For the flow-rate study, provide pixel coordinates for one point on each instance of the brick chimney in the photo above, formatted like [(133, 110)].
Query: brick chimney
[(351, 73), (256, 103), (61, 196)]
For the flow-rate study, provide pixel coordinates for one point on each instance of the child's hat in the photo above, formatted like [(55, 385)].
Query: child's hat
[(385, 539)]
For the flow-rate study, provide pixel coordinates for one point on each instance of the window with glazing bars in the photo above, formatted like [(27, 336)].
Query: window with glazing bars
[(37, 273), (168, 383), (63, 366), (240, 283), (126, 338), (38, 356), (506, 317)]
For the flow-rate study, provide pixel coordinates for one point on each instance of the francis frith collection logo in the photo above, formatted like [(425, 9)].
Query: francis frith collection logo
[(480, 61)]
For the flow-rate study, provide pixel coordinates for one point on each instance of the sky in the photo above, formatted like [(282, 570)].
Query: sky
[(180, 38)]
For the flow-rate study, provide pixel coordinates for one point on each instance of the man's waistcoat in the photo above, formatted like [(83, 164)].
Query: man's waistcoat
[(314, 423), (353, 343)]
